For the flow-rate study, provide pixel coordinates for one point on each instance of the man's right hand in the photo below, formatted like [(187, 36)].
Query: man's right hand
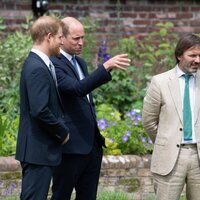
[(120, 61)]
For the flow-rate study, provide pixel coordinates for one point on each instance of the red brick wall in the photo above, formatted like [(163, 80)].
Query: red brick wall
[(127, 173), (116, 18)]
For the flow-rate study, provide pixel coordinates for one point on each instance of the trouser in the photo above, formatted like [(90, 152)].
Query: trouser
[(35, 181), (80, 172), (186, 171)]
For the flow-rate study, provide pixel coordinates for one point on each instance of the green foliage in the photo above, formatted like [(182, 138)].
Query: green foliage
[(108, 195), (124, 135), (120, 92), (157, 50), (8, 129), (11, 198), (90, 47), (149, 55), (13, 50)]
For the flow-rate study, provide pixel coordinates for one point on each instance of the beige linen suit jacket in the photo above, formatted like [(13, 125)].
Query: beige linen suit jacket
[(163, 121)]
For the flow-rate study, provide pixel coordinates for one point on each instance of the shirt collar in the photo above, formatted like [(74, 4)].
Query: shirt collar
[(180, 72), (42, 55), (68, 56)]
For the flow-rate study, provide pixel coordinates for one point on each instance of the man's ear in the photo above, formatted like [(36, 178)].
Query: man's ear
[(49, 35), (179, 58)]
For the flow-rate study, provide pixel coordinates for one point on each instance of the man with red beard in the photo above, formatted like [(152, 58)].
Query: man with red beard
[(42, 131), (171, 116), (82, 155)]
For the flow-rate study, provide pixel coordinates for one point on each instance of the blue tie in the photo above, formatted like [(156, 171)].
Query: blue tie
[(75, 65), (187, 115)]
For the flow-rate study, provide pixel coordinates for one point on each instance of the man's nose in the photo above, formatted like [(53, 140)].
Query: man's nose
[(80, 42), (197, 59)]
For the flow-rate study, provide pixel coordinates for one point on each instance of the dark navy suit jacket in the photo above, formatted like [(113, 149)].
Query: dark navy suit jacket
[(78, 111), (41, 128)]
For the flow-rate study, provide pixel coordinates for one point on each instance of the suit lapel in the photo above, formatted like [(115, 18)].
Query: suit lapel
[(46, 68), (82, 66), (69, 64), (174, 88), (197, 97)]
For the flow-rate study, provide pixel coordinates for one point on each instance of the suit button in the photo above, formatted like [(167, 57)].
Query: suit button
[(178, 145), (180, 129)]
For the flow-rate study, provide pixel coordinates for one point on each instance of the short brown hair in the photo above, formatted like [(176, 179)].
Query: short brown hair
[(43, 26), (185, 42)]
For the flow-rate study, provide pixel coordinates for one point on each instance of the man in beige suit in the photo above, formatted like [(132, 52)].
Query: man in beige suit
[(171, 116)]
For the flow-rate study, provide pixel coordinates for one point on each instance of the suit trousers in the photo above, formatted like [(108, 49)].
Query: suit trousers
[(79, 172), (186, 172), (35, 181)]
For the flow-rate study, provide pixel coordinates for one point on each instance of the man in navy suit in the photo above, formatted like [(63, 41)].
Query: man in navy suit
[(42, 130), (82, 155)]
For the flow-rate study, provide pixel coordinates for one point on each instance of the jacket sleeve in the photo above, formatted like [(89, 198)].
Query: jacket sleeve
[(38, 88), (68, 83), (151, 109)]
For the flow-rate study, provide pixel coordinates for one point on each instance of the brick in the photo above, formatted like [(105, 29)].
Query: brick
[(14, 14), (166, 15), (57, 7), (9, 163), (144, 173), (142, 22), (128, 15), (184, 29), (195, 23), (23, 6), (184, 15), (195, 9), (99, 15)]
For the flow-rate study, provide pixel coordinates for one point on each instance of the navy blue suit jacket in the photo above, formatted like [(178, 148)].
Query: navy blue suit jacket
[(42, 128), (79, 113)]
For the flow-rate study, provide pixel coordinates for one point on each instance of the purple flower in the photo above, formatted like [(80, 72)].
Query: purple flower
[(106, 57), (128, 133), (134, 115), (143, 139), (102, 55), (150, 141), (111, 140), (128, 114), (125, 138), (102, 124)]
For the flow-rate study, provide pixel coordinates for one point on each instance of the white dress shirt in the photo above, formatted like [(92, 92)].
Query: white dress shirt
[(192, 97)]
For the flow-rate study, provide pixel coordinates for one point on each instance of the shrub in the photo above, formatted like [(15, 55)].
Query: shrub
[(150, 55), (124, 134), (8, 130)]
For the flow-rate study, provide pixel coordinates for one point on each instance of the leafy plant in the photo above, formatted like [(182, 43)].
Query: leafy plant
[(108, 195), (8, 129), (150, 55), (90, 47), (13, 50), (123, 135)]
